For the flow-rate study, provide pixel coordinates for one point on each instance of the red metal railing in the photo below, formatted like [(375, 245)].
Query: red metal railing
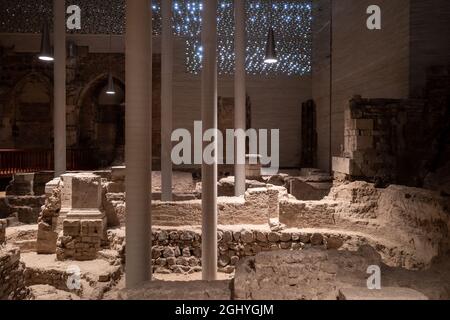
[(14, 161)]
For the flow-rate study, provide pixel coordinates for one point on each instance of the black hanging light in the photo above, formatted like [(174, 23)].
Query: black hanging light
[(271, 50), (271, 46), (110, 89), (46, 53)]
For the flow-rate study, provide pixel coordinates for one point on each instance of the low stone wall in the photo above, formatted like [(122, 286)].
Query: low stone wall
[(256, 207), (307, 214), (179, 250), (11, 274), (3, 224), (54, 278)]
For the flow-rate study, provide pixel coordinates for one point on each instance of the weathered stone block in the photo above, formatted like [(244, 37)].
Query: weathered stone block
[(46, 239), (305, 190), (72, 228), (345, 166), (301, 214)]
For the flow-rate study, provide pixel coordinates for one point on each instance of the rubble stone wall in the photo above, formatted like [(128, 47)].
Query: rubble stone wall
[(179, 250), (11, 274)]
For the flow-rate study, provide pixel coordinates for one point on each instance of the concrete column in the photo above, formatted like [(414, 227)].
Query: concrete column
[(239, 94), (59, 107), (166, 100), (209, 119), (138, 60)]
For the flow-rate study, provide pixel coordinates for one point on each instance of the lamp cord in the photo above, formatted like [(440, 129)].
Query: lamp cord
[(270, 14)]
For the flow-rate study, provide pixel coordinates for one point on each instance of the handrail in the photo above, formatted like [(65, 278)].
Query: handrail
[(14, 161)]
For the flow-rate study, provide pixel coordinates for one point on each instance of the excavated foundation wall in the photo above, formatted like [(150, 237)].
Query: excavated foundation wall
[(256, 207), (408, 226), (306, 275), (178, 250)]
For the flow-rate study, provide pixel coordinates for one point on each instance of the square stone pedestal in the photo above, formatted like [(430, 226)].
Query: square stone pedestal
[(84, 224)]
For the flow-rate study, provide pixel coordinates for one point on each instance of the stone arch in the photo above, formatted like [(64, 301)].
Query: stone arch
[(102, 120), (30, 113)]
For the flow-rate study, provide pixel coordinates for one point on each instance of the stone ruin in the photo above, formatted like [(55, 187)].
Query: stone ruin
[(82, 222), (312, 275)]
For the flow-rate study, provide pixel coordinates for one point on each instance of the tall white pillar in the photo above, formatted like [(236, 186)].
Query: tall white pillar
[(166, 100), (209, 119), (59, 101), (138, 60), (240, 113)]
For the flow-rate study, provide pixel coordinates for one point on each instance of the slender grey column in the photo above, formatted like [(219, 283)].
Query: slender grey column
[(59, 107), (239, 92), (209, 119), (138, 141), (166, 100)]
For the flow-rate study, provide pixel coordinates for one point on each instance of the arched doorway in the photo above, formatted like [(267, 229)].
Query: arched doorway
[(102, 122), (31, 113)]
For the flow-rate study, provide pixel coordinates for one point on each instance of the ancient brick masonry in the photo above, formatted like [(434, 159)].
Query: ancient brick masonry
[(11, 274), (386, 140)]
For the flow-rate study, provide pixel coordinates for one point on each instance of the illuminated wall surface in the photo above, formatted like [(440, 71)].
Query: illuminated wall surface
[(290, 19)]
